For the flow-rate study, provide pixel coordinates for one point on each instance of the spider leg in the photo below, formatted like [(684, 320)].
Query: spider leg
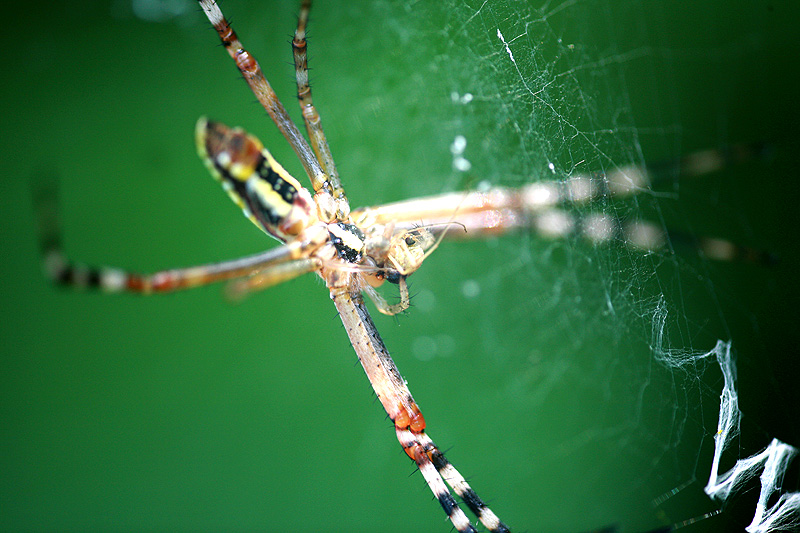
[(480, 209), (426, 454), (310, 115), (380, 302), (271, 276), (65, 272), (261, 88), (435, 482), (393, 393), (534, 207), (505, 207)]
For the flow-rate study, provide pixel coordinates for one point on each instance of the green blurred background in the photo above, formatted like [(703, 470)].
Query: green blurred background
[(187, 412)]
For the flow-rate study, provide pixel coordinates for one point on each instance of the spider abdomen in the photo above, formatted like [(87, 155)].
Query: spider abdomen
[(268, 195)]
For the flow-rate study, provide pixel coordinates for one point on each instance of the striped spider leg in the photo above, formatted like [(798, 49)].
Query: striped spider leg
[(539, 207), (382, 253), (318, 234)]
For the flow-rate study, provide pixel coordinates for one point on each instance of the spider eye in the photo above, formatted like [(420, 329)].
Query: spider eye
[(410, 240)]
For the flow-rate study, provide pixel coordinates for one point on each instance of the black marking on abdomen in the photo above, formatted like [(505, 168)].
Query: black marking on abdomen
[(286, 190)]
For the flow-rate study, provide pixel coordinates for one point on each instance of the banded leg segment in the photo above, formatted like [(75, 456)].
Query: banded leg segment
[(311, 117), (461, 487), (65, 272), (271, 276), (393, 393), (263, 91), (499, 203), (435, 482), (535, 207), (427, 455), (498, 208)]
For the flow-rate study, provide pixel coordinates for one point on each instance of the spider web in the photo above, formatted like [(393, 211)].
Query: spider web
[(604, 352), (576, 384)]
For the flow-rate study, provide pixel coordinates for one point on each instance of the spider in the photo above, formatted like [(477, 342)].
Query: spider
[(356, 251)]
